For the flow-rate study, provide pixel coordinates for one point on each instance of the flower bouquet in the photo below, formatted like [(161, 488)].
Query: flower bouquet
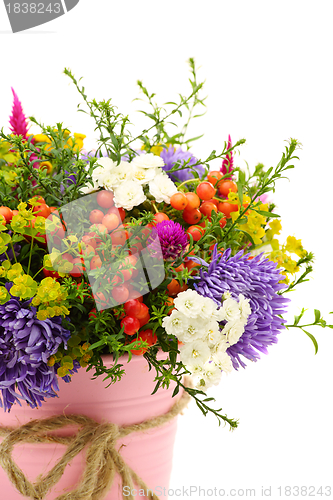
[(136, 250)]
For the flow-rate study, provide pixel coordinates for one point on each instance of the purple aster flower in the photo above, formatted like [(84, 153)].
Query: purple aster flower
[(26, 344), (259, 281), (172, 155), (172, 238)]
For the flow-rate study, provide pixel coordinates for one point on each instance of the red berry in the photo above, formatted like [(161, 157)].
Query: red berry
[(105, 199), (214, 176), (205, 190), (132, 307), (190, 264), (120, 294), (144, 321), (42, 210), (110, 221), (178, 201), (223, 222), (95, 262), (160, 217), (96, 216), (93, 313), (146, 336), (120, 212), (191, 216), (207, 208), (173, 287), (196, 232), (143, 312), (131, 325), (226, 186), (226, 208), (78, 268), (7, 213), (193, 200)]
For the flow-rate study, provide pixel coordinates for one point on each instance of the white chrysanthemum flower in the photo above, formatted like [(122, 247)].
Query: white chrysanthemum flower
[(189, 303), (162, 188), (144, 175), (208, 309), (196, 368), (98, 174), (229, 310), (109, 180), (226, 295), (175, 324), (194, 353), (148, 160), (211, 375), (233, 331), (128, 195), (244, 307), (106, 163), (222, 345), (213, 334), (88, 188), (223, 361), (122, 173), (194, 330)]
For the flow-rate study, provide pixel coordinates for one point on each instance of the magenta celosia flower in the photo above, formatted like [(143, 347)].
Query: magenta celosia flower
[(18, 121), (172, 238), (228, 162)]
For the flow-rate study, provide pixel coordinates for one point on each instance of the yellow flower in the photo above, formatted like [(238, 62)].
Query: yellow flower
[(46, 165), (275, 228), (42, 315), (15, 272), (77, 142), (156, 150), (42, 138), (51, 361), (295, 246), (4, 295)]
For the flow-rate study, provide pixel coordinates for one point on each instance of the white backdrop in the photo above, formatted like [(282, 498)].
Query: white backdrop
[(269, 77)]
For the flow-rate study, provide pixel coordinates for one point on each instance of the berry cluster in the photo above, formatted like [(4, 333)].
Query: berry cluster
[(203, 202)]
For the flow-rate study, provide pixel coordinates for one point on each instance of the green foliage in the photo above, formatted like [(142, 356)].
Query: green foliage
[(318, 321)]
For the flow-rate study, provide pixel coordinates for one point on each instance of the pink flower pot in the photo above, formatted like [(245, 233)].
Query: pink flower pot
[(127, 402)]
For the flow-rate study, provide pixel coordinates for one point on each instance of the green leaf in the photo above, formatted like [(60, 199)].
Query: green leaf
[(266, 214), (317, 315), (247, 234), (175, 392), (97, 344), (315, 343), (194, 138)]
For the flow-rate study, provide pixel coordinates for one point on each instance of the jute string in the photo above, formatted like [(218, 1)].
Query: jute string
[(103, 460)]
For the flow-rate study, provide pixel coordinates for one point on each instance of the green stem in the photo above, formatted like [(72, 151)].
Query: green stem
[(301, 326), (14, 254), (155, 207), (30, 253), (187, 182)]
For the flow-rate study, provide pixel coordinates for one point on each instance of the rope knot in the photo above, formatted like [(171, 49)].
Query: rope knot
[(103, 459)]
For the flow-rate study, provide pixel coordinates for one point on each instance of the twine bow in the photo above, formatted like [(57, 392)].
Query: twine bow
[(103, 460)]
